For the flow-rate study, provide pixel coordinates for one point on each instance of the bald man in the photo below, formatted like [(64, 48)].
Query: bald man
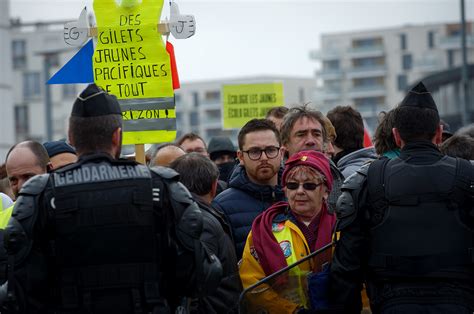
[(166, 154), (25, 160)]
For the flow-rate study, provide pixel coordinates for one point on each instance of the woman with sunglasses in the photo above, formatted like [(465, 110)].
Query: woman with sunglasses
[(287, 232)]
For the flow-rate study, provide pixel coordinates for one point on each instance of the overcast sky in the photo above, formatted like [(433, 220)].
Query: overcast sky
[(265, 37)]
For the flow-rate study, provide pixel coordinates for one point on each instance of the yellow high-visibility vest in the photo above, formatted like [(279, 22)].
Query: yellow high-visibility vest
[(5, 216), (297, 287)]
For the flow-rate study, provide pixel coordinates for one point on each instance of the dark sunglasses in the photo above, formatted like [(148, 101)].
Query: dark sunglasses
[(309, 186)]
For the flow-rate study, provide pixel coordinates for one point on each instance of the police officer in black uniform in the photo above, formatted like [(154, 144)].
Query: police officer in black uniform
[(105, 235), (407, 224)]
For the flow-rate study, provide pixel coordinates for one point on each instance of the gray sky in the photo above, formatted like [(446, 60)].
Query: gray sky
[(265, 37)]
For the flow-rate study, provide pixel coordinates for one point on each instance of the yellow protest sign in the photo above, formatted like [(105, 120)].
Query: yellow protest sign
[(131, 62), (130, 59), (244, 102)]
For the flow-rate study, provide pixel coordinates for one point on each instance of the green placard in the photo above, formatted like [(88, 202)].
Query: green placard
[(244, 102)]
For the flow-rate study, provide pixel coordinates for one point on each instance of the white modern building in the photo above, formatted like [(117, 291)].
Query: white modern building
[(7, 138), (38, 51), (371, 70)]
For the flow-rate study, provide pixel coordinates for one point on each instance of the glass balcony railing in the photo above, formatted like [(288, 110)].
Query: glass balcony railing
[(451, 42), (211, 103), (427, 65), (324, 55), (329, 73), (367, 91), (376, 50), (367, 71), (322, 94)]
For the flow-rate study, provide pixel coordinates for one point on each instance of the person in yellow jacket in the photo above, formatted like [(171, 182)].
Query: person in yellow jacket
[(288, 231), (6, 208)]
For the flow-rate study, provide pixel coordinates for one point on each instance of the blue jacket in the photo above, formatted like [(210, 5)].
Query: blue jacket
[(242, 202)]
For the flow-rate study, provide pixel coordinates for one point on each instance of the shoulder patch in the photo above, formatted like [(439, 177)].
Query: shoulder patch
[(286, 248)]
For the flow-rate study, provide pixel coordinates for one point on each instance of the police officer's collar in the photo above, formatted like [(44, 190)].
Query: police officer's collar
[(419, 148), (95, 155)]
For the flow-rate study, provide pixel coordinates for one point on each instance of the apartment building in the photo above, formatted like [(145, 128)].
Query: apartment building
[(371, 70), (38, 51), (7, 137)]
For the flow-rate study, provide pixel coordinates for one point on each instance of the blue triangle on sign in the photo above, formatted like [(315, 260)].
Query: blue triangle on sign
[(78, 69)]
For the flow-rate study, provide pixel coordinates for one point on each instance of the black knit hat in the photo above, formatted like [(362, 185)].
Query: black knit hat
[(93, 102), (58, 147), (419, 97)]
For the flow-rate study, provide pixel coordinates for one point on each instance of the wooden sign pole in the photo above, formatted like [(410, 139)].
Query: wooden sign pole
[(140, 153)]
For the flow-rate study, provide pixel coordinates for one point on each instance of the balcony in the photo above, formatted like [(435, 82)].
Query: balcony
[(367, 71), (210, 122), (325, 94), (367, 91), (330, 74), (366, 51), (368, 111), (427, 65), (454, 42), (324, 55), (210, 104)]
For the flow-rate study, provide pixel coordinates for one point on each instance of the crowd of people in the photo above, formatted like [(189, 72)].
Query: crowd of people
[(389, 227)]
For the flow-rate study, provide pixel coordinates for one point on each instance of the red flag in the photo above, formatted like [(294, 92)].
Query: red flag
[(367, 140), (174, 69)]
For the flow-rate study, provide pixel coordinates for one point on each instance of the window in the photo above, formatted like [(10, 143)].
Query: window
[(52, 59), (213, 115), (406, 62), (431, 39), (402, 82), (367, 105), (301, 96), (31, 84), (366, 42), (179, 118), (213, 132), (19, 54), (367, 62), (403, 41), (195, 99), (21, 119), (331, 65), (194, 118), (177, 98), (368, 81), (69, 91), (450, 58), (212, 96)]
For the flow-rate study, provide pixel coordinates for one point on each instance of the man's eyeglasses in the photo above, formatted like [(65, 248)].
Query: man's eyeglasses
[(309, 186), (255, 153)]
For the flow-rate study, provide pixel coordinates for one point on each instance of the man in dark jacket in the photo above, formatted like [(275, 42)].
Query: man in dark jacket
[(350, 153), (253, 186), (406, 224), (199, 175)]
